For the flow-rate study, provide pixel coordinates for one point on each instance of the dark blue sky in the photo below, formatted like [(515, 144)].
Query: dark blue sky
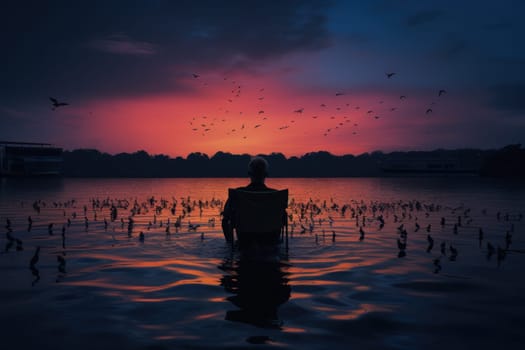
[(102, 52)]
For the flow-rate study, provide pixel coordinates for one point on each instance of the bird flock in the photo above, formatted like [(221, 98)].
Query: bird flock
[(231, 120), (341, 114), (437, 231)]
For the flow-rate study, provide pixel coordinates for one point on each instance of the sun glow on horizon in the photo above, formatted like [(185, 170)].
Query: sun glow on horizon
[(254, 115)]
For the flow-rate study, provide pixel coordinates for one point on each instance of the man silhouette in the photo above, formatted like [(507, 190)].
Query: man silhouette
[(258, 171)]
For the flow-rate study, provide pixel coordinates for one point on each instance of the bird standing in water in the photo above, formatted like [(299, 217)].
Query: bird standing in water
[(35, 257)]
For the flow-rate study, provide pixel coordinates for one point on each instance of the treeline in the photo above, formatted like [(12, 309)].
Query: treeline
[(506, 162), (93, 163)]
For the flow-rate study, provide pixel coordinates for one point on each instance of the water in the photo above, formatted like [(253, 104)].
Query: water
[(189, 290)]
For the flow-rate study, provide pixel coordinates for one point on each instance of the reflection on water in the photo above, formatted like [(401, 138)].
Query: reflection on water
[(38, 186), (259, 287), (377, 263)]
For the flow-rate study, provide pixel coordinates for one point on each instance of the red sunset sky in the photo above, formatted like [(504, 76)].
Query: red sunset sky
[(129, 83)]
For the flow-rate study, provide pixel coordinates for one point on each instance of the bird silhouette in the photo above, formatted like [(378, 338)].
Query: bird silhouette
[(430, 243), (441, 92), (61, 264), (35, 257), (401, 245), (490, 250), (57, 104), (390, 75), (443, 248), (195, 75), (428, 111), (453, 253), (437, 265)]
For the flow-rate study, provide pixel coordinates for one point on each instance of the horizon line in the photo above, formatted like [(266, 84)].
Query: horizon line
[(292, 156)]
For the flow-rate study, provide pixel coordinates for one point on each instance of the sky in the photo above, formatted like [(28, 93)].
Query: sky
[(347, 77)]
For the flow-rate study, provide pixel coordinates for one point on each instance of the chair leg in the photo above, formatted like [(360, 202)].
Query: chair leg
[(286, 230)]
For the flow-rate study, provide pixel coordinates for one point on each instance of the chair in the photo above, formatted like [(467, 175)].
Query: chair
[(259, 218)]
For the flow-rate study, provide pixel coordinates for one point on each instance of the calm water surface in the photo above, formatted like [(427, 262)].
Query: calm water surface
[(99, 286)]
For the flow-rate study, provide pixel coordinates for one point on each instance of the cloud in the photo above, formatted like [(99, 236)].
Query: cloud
[(74, 49), (122, 44)]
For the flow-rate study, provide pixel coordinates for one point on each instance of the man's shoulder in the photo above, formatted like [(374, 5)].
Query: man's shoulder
[(263, 188)]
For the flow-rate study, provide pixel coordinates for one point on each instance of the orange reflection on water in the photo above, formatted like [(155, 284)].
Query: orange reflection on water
[(299, 295), (208, 316), (155, 300), (293, 329), (399, 269), (356, 313), (362, 288), (176, 336), (107, 285), (216, 300)]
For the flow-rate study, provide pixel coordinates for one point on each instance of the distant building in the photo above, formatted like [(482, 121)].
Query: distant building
[(29, 159)]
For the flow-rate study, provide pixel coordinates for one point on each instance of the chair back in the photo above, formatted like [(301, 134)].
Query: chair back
[(258, 212)]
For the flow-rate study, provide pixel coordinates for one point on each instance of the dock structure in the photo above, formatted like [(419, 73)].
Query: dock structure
[(29, 159)]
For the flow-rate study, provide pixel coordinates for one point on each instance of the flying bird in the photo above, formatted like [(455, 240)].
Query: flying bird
[(339, 94), (300, 110), (402, 97), (57, 104), (390, 75), (195, 75), (256, 126), (429, 111), (441, 92)]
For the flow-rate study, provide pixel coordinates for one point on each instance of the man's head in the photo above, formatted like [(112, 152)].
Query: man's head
[(258, 169)]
